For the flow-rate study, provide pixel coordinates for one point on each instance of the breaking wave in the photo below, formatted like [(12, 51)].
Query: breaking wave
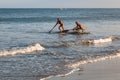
[(82, 42), (22, 50), (100, 41)]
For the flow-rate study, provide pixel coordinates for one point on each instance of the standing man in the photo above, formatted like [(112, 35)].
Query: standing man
[(61, 27)]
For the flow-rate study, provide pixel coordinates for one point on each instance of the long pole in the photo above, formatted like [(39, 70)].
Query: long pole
[(52, 28)]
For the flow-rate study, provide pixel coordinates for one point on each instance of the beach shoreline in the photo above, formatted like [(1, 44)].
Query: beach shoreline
[(103, 70)]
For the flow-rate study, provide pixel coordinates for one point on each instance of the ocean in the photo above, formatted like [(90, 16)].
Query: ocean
[(29, 52)]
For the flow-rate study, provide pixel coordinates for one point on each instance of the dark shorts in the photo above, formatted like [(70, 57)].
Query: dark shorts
[(61, 24)]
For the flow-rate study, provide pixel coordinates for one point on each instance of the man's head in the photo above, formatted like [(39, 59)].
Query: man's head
[(76, 22), (58, 19)]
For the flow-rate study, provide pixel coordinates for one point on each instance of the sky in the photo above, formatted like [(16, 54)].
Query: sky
[(59, 3)]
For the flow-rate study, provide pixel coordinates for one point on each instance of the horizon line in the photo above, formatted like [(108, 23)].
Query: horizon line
[(58, 8)]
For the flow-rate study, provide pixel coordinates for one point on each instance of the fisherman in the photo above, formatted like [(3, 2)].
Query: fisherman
[(61, 27), (79, 27)]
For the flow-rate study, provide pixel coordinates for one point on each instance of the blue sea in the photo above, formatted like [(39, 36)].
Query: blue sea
[(29, 52)]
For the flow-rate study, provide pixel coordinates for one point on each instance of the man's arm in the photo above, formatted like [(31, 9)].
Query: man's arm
[(75, 28)]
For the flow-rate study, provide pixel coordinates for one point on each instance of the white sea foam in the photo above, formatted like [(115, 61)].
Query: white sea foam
[(100, 41), (77, 64), (22, 50)]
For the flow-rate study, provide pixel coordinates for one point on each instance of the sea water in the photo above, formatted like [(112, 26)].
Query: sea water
[(29, 52)]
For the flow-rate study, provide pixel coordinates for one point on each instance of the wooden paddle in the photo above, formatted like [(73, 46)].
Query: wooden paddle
[(52, 28)]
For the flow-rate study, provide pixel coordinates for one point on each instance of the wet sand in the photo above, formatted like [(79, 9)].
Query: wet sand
[(104, 70)]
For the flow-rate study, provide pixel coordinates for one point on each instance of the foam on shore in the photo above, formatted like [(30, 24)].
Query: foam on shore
[(97, 59), (104, 70), (76, 66)]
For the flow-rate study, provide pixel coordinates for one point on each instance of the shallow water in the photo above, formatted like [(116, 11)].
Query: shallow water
[(21, 28)]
